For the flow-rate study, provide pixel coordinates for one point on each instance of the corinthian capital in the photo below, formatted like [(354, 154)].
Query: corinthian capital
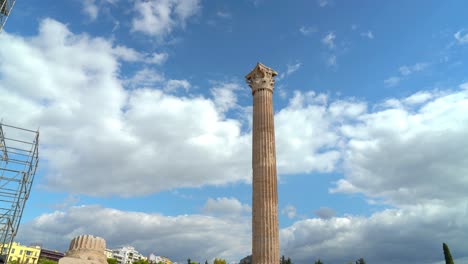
[(261, 77)]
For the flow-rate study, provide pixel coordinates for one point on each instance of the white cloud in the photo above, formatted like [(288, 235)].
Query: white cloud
[(160, 18), (173, 85), (331, 61), (405, 148), (323, 3), (73, 77), (224, 96), (291, 68), (223, 14), (418, 98), (146, 78), (464, 86), (307, 30), (390, 236), (392, 81), (309, 143), (368, 34), (290, 211), (407, 70), (461, 36), (329, 40), (131, 55), (157, 58), (230, 207), (198, 237), (325, 213), (90, 9)]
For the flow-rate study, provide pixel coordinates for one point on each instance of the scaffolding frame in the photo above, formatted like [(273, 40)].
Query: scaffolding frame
[(19, 157), (5, 10)]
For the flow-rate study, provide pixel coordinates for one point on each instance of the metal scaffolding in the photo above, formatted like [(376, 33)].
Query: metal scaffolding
[(5, 10), (19, 156)]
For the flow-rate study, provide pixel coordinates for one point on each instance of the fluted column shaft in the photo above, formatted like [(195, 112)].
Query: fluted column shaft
[(265, 195), (265, 233)]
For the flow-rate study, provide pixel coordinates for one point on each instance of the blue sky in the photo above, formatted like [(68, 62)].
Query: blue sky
[(145, 124)]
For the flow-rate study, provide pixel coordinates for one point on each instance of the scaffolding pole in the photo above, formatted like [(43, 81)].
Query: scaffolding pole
[(19, 157), (5, 10)]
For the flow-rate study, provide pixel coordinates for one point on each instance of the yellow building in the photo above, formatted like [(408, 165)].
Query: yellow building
[(23, 254), (108, 253)]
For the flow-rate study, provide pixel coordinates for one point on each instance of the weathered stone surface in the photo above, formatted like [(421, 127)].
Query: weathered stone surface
[(265, 234), (85, 249)]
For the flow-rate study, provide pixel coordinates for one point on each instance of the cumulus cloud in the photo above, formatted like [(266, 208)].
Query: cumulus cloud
[(311, 143), (97, 126), (93, 129), (325, 213), (409, 146), (160, 18), (223, 206), (198, 237), (390, 236)]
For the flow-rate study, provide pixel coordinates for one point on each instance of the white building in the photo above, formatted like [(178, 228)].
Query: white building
[(157, 259), (126, 255)]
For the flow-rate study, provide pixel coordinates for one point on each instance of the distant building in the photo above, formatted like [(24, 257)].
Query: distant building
[(158, 259), (126, 255), (51, 254), (22, 254), (108, 253)]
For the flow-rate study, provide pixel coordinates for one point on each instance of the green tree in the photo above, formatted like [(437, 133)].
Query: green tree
[(318, 262), (360, 261), (13, 262), (219, 261), (140, 261), (47, 261), (109, 261), (282, 260), (189, 261), (206, 261), (447, 255)]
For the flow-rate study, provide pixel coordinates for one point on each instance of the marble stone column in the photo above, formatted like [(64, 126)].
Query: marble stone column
[(265, 234)]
